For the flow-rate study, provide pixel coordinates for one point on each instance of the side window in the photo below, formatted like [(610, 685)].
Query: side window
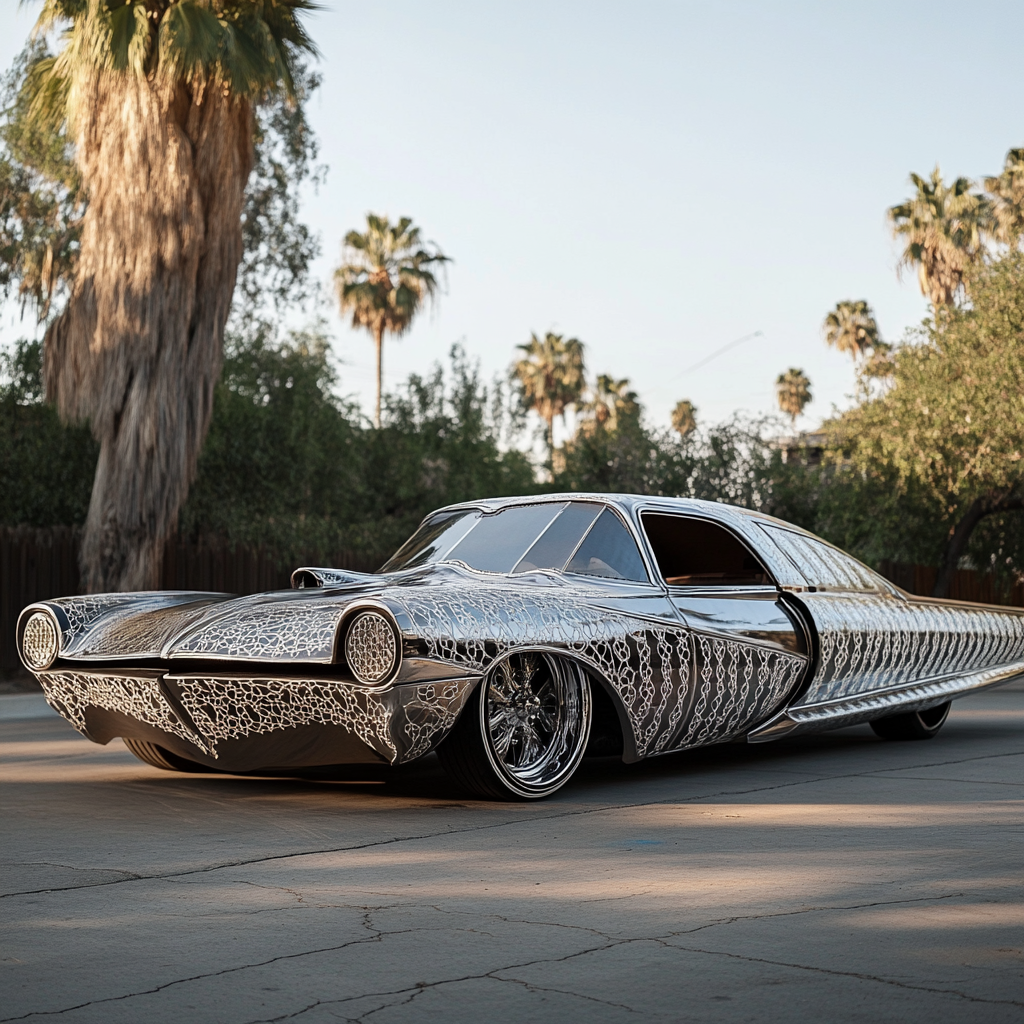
[(821, 564), (554, 546), (609, 551), (699, 553), (498, 540)]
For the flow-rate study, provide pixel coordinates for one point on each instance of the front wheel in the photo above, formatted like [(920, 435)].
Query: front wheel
[(912, 725), (524, 730)]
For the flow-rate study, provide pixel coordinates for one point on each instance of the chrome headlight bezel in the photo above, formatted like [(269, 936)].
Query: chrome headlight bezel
[(371, 646), (38, 639)]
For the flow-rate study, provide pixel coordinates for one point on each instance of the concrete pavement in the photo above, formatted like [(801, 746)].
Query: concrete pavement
[(828, 878)]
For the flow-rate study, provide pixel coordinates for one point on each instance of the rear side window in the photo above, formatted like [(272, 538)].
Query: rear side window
[(699, 553), (821, 564), (609, 551)]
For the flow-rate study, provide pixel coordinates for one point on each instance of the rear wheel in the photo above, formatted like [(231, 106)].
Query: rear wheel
[(913, 725), (160, 758), (524, 731)]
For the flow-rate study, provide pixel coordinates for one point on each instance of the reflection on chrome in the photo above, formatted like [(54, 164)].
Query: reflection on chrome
[(507, 632)]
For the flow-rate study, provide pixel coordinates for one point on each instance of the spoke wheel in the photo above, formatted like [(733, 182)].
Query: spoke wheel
[(525, 730), (914, 725)]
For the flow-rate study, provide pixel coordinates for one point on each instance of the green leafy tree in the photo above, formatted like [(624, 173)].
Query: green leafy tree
[(550, 377), (793, 391), (942, 229), (340, 486), (951, 423), (41, 196), (46, 467), (388, 273), (157, 102), (684, 418)]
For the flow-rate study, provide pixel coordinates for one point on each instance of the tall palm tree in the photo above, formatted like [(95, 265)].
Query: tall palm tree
[(684, 418), (157, 99), (1006, 194), (943, 228), (793, 391), (551, 377), (851, 327), (612, 403), (387, 274)]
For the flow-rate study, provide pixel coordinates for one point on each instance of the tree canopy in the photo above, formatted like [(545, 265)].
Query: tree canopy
[(951, 420)]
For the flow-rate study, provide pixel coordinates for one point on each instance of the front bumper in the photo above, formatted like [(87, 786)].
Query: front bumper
[(236, 722)]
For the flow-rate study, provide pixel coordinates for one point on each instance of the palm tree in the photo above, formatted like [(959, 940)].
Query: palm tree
[(612, 403), (157, 99), (793, 390), (1006, 195), (387, 275), (943, 228), (851, 327), (684, 417), (551, 377)]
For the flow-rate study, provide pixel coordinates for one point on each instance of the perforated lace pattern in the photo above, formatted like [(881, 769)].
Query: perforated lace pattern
[(649, 666), (39, 640), (872, 641), (70, 693), (370, 647), (399, 724)]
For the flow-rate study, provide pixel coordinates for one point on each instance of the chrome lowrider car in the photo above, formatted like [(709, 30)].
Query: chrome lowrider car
[(513, 636)]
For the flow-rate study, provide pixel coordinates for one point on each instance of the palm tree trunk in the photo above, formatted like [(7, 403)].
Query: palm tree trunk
[(139, 347), (378, 339)]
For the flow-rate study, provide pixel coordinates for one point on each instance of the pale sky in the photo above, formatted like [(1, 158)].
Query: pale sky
[(656, 179)]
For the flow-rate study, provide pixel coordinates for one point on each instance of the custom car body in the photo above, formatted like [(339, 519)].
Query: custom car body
[(515, 635)]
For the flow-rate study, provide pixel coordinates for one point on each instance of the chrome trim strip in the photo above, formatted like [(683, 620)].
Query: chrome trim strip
[(837, 714)]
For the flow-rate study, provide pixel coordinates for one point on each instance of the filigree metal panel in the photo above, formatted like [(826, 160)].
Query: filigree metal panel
[(870, 641), (71, 692), (650, 666)]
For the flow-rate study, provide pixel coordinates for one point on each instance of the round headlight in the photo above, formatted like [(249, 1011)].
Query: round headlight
[(371, 648), (39, 641)]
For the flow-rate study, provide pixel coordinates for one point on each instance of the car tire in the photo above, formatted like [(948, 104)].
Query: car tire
[(912, 725), (160, 758), (524, 729)]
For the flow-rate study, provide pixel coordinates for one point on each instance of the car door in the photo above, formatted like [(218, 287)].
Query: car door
[(749, 648), (649, 661)]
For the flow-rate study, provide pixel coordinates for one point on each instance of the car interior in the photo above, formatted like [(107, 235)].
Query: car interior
[(693, 552)]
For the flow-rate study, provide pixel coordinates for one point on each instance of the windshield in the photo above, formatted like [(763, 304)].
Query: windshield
[(517, 539)]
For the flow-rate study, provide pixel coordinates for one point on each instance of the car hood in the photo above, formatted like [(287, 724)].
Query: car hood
[(300, 625)]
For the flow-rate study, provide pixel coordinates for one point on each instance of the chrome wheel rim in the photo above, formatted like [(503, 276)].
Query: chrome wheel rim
[(535, 719), (932, 718)]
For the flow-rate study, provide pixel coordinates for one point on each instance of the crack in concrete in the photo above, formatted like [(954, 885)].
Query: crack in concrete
[(376, 937), (850, 974), (814, 910), (553, 816), (421, 986), (409, 993)]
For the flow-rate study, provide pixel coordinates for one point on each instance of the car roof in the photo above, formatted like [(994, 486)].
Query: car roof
[(628, 503)]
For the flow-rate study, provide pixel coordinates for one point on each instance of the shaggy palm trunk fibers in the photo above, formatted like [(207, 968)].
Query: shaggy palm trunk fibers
[(139, 348)]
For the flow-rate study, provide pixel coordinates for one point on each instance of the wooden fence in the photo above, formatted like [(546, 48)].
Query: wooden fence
[(39, 564)]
